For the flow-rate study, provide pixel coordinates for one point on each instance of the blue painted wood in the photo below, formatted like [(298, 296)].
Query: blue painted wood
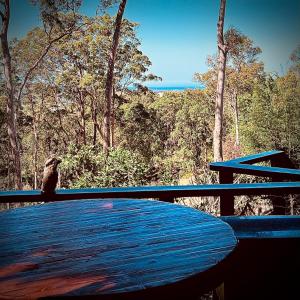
[(281, 169), (259, 157), (266, 261), (226, 199), (262, 227), (137, 249), (283, 173), (275, 188)]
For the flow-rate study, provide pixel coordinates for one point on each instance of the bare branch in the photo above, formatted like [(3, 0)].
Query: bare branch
[(2, 15), (223, 47), (37, 62), (5, 14)]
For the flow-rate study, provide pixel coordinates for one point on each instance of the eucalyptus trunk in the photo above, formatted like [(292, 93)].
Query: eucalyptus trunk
[(112, 133), (110, 79), (94, 118), (218, 130), (82, 117), (236, 118), (35, 144), (10, 106)]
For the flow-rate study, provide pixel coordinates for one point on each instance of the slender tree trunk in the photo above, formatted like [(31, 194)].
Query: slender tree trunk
[(94, 110), (35, 144), (110, 79), (236, 118), (96, 126), (10, 107), (94, 118), (82, 117), (66, 137), (112, 137), (218, 130)]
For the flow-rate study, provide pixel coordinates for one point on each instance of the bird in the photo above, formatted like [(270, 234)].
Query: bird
[(50, 176)]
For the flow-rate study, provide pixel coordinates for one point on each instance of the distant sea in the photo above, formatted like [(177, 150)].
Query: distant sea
[(158, 89), (170, 88)]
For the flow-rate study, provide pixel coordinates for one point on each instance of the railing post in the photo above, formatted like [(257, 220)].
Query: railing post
[(227, 199), (166, 198), (279, 202)]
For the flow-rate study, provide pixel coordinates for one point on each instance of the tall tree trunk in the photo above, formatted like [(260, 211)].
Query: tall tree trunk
[(236, 118), (218, 130), (110, 79), (10, 107), (65, 138), (82, 116), (112, 136), (94, 118), (36, 142), (94, 111)]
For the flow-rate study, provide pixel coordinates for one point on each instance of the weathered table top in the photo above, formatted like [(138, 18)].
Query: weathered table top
[(109, 247)]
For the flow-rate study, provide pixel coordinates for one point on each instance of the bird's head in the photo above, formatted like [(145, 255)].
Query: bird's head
[(52, 162)]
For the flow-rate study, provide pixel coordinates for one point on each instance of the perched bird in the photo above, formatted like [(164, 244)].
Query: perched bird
[(50, 176)]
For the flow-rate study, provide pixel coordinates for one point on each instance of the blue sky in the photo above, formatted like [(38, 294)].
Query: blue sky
[(177, 35)]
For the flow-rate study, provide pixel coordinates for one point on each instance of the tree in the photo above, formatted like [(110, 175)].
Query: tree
[(141, 129), (55, 30), (110, 78), (10, 90), (222, 49), (64, 98), (193, 131), (242, 71), (295, 60), (271, 120), (86, 166), (242, 57)]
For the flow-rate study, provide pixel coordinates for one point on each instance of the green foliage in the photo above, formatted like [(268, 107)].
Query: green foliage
[(271, 120), (87, 166), (141, 130), (63, 99), (193, 129), (4, 158), (158, 138)]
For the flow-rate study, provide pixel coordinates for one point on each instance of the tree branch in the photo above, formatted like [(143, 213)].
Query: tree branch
[(220, 25), (223, 47), (37, 62), (2, 15), (5, 17)]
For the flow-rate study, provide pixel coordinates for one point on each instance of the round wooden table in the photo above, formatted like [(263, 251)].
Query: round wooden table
[(111, 248)]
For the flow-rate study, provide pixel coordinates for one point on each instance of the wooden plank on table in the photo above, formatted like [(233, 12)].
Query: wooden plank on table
[(82, 248)]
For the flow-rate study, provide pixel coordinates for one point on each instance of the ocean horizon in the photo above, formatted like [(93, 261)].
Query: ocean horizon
[(158, 89), (171, 88)]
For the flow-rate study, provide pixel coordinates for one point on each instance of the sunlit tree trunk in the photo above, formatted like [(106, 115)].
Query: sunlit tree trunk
[(218, 130), (236, 118), (112, 134), (94, 118), (10, 107), (82, 116), (35, 142), (110, 79), (94, 112)]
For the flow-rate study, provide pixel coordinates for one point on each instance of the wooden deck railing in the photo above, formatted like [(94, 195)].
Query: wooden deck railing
[(281, 169), (268, 250), (226, 189)]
